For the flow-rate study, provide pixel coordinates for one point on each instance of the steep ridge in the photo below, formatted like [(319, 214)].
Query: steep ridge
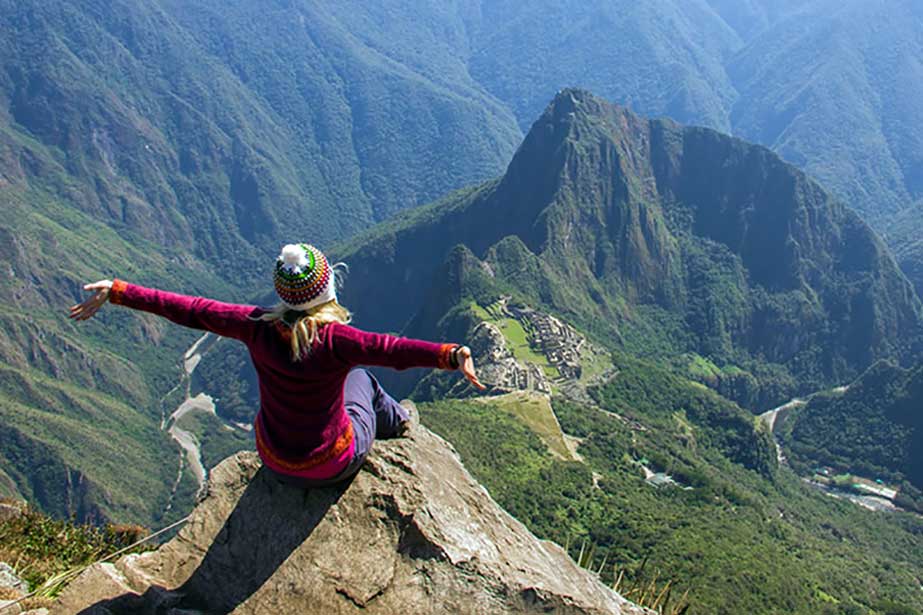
[(413, 532), (177, 146), (830, 86), (662, 238), (184, 126)]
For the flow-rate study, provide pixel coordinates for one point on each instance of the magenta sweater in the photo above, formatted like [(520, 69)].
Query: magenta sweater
[(301, 427)]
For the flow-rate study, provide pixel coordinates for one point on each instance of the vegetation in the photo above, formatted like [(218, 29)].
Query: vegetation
[(42, 548), (740, 541), (80, 453), (535, 411), (874, 429)]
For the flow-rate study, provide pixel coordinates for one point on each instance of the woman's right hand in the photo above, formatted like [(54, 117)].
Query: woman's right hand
[(466, 366), (85, 310)]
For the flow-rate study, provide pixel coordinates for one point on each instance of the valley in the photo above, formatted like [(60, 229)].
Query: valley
[(634, 289), (869, 493), (188, 433)]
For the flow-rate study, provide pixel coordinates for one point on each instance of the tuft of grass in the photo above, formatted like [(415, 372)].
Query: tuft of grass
[(650, 592), (41, 549)]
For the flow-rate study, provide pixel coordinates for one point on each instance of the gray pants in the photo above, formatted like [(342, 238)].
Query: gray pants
[(374, 414)]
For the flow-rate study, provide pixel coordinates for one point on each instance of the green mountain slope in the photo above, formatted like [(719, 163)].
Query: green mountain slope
[(825, 91), (874, 429), (185, 126), (663, 58), (739, 540)]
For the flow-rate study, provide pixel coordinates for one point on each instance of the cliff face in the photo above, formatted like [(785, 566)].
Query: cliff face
[(412, 533)]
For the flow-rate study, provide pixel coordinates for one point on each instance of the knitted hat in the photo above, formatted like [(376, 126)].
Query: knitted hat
[(303, 277)]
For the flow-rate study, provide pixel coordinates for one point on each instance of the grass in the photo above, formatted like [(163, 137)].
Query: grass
[(651, 592), (519, 345), (534, 410), (40, 548)]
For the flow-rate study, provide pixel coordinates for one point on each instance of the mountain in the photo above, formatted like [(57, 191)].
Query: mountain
[(830, 86), (183, 125), (663, 58), (663, 239), (828, 91), (178, 146)]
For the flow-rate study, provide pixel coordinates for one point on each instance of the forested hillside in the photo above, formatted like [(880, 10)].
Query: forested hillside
[(874, 429)]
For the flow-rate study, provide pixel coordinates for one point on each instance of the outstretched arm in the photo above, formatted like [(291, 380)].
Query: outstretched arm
[(227, 319), (357, 347)]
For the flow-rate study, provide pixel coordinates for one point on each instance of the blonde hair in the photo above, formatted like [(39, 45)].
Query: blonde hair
[(305, 325)]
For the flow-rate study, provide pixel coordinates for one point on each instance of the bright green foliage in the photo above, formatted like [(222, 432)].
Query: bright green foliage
[(740, 540), (536, 413), (642, 390)]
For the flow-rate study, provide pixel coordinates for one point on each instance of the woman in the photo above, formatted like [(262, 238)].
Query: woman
[(318, 414)]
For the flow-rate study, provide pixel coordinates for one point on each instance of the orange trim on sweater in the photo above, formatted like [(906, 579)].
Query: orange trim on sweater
[(445, 356), (117, 290), (343, 442)]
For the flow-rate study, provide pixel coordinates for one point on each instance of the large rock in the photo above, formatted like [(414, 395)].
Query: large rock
[(412, 533), (9, 579)]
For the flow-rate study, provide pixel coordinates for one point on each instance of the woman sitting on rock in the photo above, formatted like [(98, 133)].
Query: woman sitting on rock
[(318, 414)]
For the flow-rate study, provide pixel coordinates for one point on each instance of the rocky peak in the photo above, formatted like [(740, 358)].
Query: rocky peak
[(412, 533)]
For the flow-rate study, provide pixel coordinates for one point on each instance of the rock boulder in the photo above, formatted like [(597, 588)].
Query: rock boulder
[(411, 533)]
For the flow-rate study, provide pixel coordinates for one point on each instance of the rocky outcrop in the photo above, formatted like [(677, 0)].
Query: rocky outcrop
[(412, 533)]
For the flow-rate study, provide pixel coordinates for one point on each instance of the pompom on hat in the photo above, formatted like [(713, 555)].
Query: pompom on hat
[(303, 277)]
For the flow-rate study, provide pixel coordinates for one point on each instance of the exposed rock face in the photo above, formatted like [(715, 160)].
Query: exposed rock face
[(9, 579), (412, 533)]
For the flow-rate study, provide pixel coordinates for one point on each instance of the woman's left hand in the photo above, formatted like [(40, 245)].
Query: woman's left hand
[(466, 366), (85, 310)]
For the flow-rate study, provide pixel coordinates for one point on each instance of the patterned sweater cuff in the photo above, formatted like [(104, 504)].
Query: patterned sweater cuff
[(445, 357), (117, 292)]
